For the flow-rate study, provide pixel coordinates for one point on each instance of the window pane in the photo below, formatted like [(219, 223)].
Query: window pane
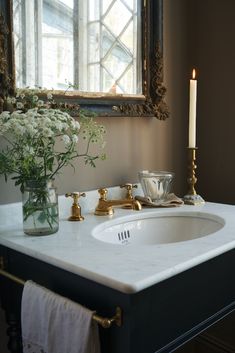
[(117, 17), (94, 42), (57, 44), (94, 83), (94, 10)]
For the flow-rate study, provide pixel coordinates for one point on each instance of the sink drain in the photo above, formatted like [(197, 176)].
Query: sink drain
[(124, 237)]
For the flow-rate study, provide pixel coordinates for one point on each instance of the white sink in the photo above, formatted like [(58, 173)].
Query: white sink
[(158, 228)]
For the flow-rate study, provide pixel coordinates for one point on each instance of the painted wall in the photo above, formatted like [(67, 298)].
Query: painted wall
[(213, 53), (134, 144)]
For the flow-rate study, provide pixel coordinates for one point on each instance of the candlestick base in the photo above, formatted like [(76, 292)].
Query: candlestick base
[(192, 198)]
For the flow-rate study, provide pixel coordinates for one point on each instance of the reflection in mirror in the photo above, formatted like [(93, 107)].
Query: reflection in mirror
[(103, 55), (92, 45)]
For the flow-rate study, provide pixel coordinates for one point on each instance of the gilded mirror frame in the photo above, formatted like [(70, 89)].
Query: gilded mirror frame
[(150, 103)]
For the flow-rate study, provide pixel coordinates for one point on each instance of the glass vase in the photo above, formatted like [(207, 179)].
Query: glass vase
[(40, 208)]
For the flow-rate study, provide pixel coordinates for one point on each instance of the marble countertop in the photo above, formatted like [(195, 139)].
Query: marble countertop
[(128, 269)]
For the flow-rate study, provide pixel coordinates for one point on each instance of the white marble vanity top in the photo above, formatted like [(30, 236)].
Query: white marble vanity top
[(127, 269)]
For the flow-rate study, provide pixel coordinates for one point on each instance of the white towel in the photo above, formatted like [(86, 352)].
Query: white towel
[(54, 324)]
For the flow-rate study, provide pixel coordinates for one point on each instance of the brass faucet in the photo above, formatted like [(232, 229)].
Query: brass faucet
[(105, 207), (76, 208), (129, 188)]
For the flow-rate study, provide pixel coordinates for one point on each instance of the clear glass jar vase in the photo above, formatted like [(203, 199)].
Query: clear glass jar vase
[(40, 208)]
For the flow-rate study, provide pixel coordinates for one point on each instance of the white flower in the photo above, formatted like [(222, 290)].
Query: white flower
[(31, 130), (35, 98), (66, 139), (28, 150), (5, 115), (49, 96), (19, 105), (75, 124), (45, 120), (47, 132), (19, 130), (12, 100), (74, 138), (40, 103), (32, 118), (58, 125)]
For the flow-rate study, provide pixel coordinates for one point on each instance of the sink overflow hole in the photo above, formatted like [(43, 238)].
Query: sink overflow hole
[(122, 236)]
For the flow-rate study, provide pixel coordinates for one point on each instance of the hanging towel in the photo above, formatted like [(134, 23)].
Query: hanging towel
[(54, 324)]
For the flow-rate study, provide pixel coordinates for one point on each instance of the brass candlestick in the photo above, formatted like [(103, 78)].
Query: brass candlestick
[(192, 198)]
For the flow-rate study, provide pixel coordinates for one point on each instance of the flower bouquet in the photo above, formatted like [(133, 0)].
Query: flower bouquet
[(40, 141)]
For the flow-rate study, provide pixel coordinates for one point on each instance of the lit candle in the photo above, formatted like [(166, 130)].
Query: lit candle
[(192, 111)]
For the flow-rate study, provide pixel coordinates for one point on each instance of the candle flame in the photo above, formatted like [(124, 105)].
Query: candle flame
[(194, 74)]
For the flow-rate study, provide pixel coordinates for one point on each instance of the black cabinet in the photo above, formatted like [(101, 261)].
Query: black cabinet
[(157, 319)]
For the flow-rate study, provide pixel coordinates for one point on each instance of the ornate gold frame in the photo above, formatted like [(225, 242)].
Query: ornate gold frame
[(154, 104), (7, 77), (150, 104)]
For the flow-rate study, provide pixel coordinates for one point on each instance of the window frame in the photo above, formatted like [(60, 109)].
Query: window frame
[(150, 103)]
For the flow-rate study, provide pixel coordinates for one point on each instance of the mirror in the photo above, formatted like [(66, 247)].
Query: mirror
[(91, 46), (104, 55)]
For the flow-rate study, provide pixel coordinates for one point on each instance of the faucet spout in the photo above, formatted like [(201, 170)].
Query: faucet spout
[(105, 207)]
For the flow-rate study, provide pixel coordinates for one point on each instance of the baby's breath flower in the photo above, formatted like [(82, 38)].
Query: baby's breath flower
[(49, 96), (5, 115), (66, 139), (28, 150), (75, 124), (19, 105), (47, 132), (74, 138), (30, 130), (58, 125), (35, 98), (20, 130), (40, 103)]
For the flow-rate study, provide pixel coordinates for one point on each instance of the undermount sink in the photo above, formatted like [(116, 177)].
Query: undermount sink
[(158, 228)]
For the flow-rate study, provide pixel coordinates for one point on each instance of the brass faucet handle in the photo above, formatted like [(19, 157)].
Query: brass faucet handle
[(76, 208), (75, 195), (129, 187), (103, 193)]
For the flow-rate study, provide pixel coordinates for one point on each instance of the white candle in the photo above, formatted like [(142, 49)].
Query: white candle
[(192, 111)]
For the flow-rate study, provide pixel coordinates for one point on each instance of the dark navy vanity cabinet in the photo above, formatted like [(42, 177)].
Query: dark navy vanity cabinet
[(157, 319)]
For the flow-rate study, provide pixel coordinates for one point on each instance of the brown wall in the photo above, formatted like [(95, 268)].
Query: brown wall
[(212, 51), (139, 143)]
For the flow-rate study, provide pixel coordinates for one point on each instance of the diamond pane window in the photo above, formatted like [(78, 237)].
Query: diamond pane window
[(90, 44), (117, 18)]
